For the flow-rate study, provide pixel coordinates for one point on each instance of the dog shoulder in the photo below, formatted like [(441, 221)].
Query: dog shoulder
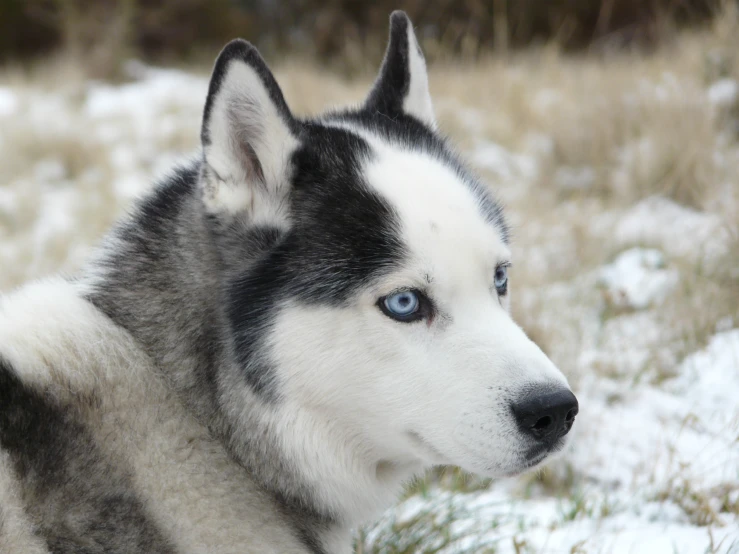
[(60, 490), (53, 337)]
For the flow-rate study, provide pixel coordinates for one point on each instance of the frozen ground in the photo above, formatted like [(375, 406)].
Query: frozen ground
[(631, 284)]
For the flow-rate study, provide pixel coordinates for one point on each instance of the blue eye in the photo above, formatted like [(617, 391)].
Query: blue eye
[(402, 306), (501, 279)]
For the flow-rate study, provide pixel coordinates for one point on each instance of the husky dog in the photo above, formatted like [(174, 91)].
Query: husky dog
[(280, 336)]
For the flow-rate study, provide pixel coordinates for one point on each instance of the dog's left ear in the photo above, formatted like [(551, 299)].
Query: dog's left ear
[(248, 136), (402, 86)]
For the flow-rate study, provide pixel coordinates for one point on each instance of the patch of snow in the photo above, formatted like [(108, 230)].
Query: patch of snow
[(675, 229), (55, 213), (488, 520), (49, 170), (725, 324), (131, 185), (503, 163), (693, 424), (546, 100), (470, 118), (635, 158), (626, 345), (52, 114), (539, 145), (123, 158), (574, 179), (723, 93), (8, 102), (637, 278), (158, 91), (8, 200), (711, 378)]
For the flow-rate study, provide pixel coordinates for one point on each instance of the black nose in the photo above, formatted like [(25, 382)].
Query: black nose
[(547, 415)]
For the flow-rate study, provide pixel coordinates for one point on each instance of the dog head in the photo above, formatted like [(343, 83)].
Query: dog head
[(368, 273)]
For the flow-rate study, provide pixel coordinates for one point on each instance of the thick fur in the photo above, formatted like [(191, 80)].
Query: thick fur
[(223, 378)]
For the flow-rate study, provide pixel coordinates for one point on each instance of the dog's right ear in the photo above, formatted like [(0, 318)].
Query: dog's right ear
[(402, 87), (248, 136)]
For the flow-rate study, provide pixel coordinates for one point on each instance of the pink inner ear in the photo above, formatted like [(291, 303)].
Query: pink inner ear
[(251, 163), (245, 152)]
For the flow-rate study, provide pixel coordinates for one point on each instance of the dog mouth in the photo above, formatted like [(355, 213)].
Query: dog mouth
[(429, 450), (530, 462), (537, 455), (527, 464)]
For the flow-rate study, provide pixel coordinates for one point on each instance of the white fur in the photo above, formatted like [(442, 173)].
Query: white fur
[(473, 348), (53, 337)]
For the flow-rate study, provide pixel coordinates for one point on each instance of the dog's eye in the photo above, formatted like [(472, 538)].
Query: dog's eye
[(501, 279), (403, 306)]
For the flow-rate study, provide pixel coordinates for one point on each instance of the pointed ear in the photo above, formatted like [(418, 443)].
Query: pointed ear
[(402, 85), (248, 134)]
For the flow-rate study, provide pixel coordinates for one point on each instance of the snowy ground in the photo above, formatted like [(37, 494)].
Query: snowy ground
[(622, 183)]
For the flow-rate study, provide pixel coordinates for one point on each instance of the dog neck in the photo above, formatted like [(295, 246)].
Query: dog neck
[(159, 277)]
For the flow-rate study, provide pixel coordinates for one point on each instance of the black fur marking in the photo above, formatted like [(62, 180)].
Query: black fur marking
[(241, 50), (80, 502), (251, 302), (393, 83), (343, 236), (408, 132), (311, 541)]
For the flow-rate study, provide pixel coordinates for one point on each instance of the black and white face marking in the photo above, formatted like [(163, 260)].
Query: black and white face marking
[(381, 300)]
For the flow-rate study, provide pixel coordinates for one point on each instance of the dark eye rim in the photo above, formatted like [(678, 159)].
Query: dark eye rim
[(503, 289), (424, 311)]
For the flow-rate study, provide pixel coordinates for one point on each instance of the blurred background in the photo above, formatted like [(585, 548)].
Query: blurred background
[(348, 32), (608, 128)]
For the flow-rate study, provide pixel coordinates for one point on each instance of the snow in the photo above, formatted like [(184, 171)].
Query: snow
[(675, 229), (8, 201), (158, 91), (49, 170), (723, 93), (573, 179), (638, 278), (502, 163), (625, 346), (8, 102)]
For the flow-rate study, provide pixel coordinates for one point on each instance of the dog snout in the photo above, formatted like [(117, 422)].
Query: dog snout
[(546, 415)]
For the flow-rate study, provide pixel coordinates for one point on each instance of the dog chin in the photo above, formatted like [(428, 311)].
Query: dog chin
[(536, 457), (426, 451)]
